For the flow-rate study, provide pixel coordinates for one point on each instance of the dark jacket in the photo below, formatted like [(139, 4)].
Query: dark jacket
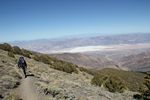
[(22, 63)]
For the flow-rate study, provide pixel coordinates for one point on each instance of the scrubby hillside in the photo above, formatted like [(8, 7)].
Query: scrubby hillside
[(119, 80), (52, 79), (9, 76)]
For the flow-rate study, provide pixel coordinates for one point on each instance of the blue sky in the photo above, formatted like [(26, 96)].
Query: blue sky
[(36, 19)]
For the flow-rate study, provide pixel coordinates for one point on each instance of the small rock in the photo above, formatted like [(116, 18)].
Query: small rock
[(1, 97)]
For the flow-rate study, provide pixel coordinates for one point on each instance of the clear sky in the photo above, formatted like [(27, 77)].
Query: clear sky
[(35, 19)]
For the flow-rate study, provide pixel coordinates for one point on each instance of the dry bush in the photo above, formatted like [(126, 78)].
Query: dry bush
[(26, 53), (118, 80), (6, 47), (11, 54), (65, 66), (112, 83), (13, 96), (145, 95), (89, 71), (17, 50), (56, 64)]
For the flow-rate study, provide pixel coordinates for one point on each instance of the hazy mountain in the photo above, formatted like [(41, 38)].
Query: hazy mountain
[(51, 45)]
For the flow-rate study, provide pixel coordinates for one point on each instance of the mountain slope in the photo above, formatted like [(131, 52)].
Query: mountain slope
[(9, 76), (51, 82), (85, 60), (137, 62)]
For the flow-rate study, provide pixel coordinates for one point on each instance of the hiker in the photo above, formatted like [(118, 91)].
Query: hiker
[(22, 64)]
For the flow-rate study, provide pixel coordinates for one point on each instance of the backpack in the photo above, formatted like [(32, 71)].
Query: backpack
[(21, 62)]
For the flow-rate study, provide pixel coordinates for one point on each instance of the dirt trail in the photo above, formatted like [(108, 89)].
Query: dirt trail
[(27, 90)]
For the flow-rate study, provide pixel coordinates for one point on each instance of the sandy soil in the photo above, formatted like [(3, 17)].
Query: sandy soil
[(27, 90)]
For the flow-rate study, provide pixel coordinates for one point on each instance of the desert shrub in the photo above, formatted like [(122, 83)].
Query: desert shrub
[(111, 83), (98, 79), (12, 96), (115, 84), (10, 82), (65, 66), (56, 64), (26, 53), (146, 94), (36, 57), (89, 71), (133, 80), (52, 90), (11, 54), (43, 58), (137, 96), (46, 59), (14, 74), (17, 50), (6, 47), (147, 80)]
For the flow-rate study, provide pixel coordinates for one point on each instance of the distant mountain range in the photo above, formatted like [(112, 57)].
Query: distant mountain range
[(127, 51), (52, 45)]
